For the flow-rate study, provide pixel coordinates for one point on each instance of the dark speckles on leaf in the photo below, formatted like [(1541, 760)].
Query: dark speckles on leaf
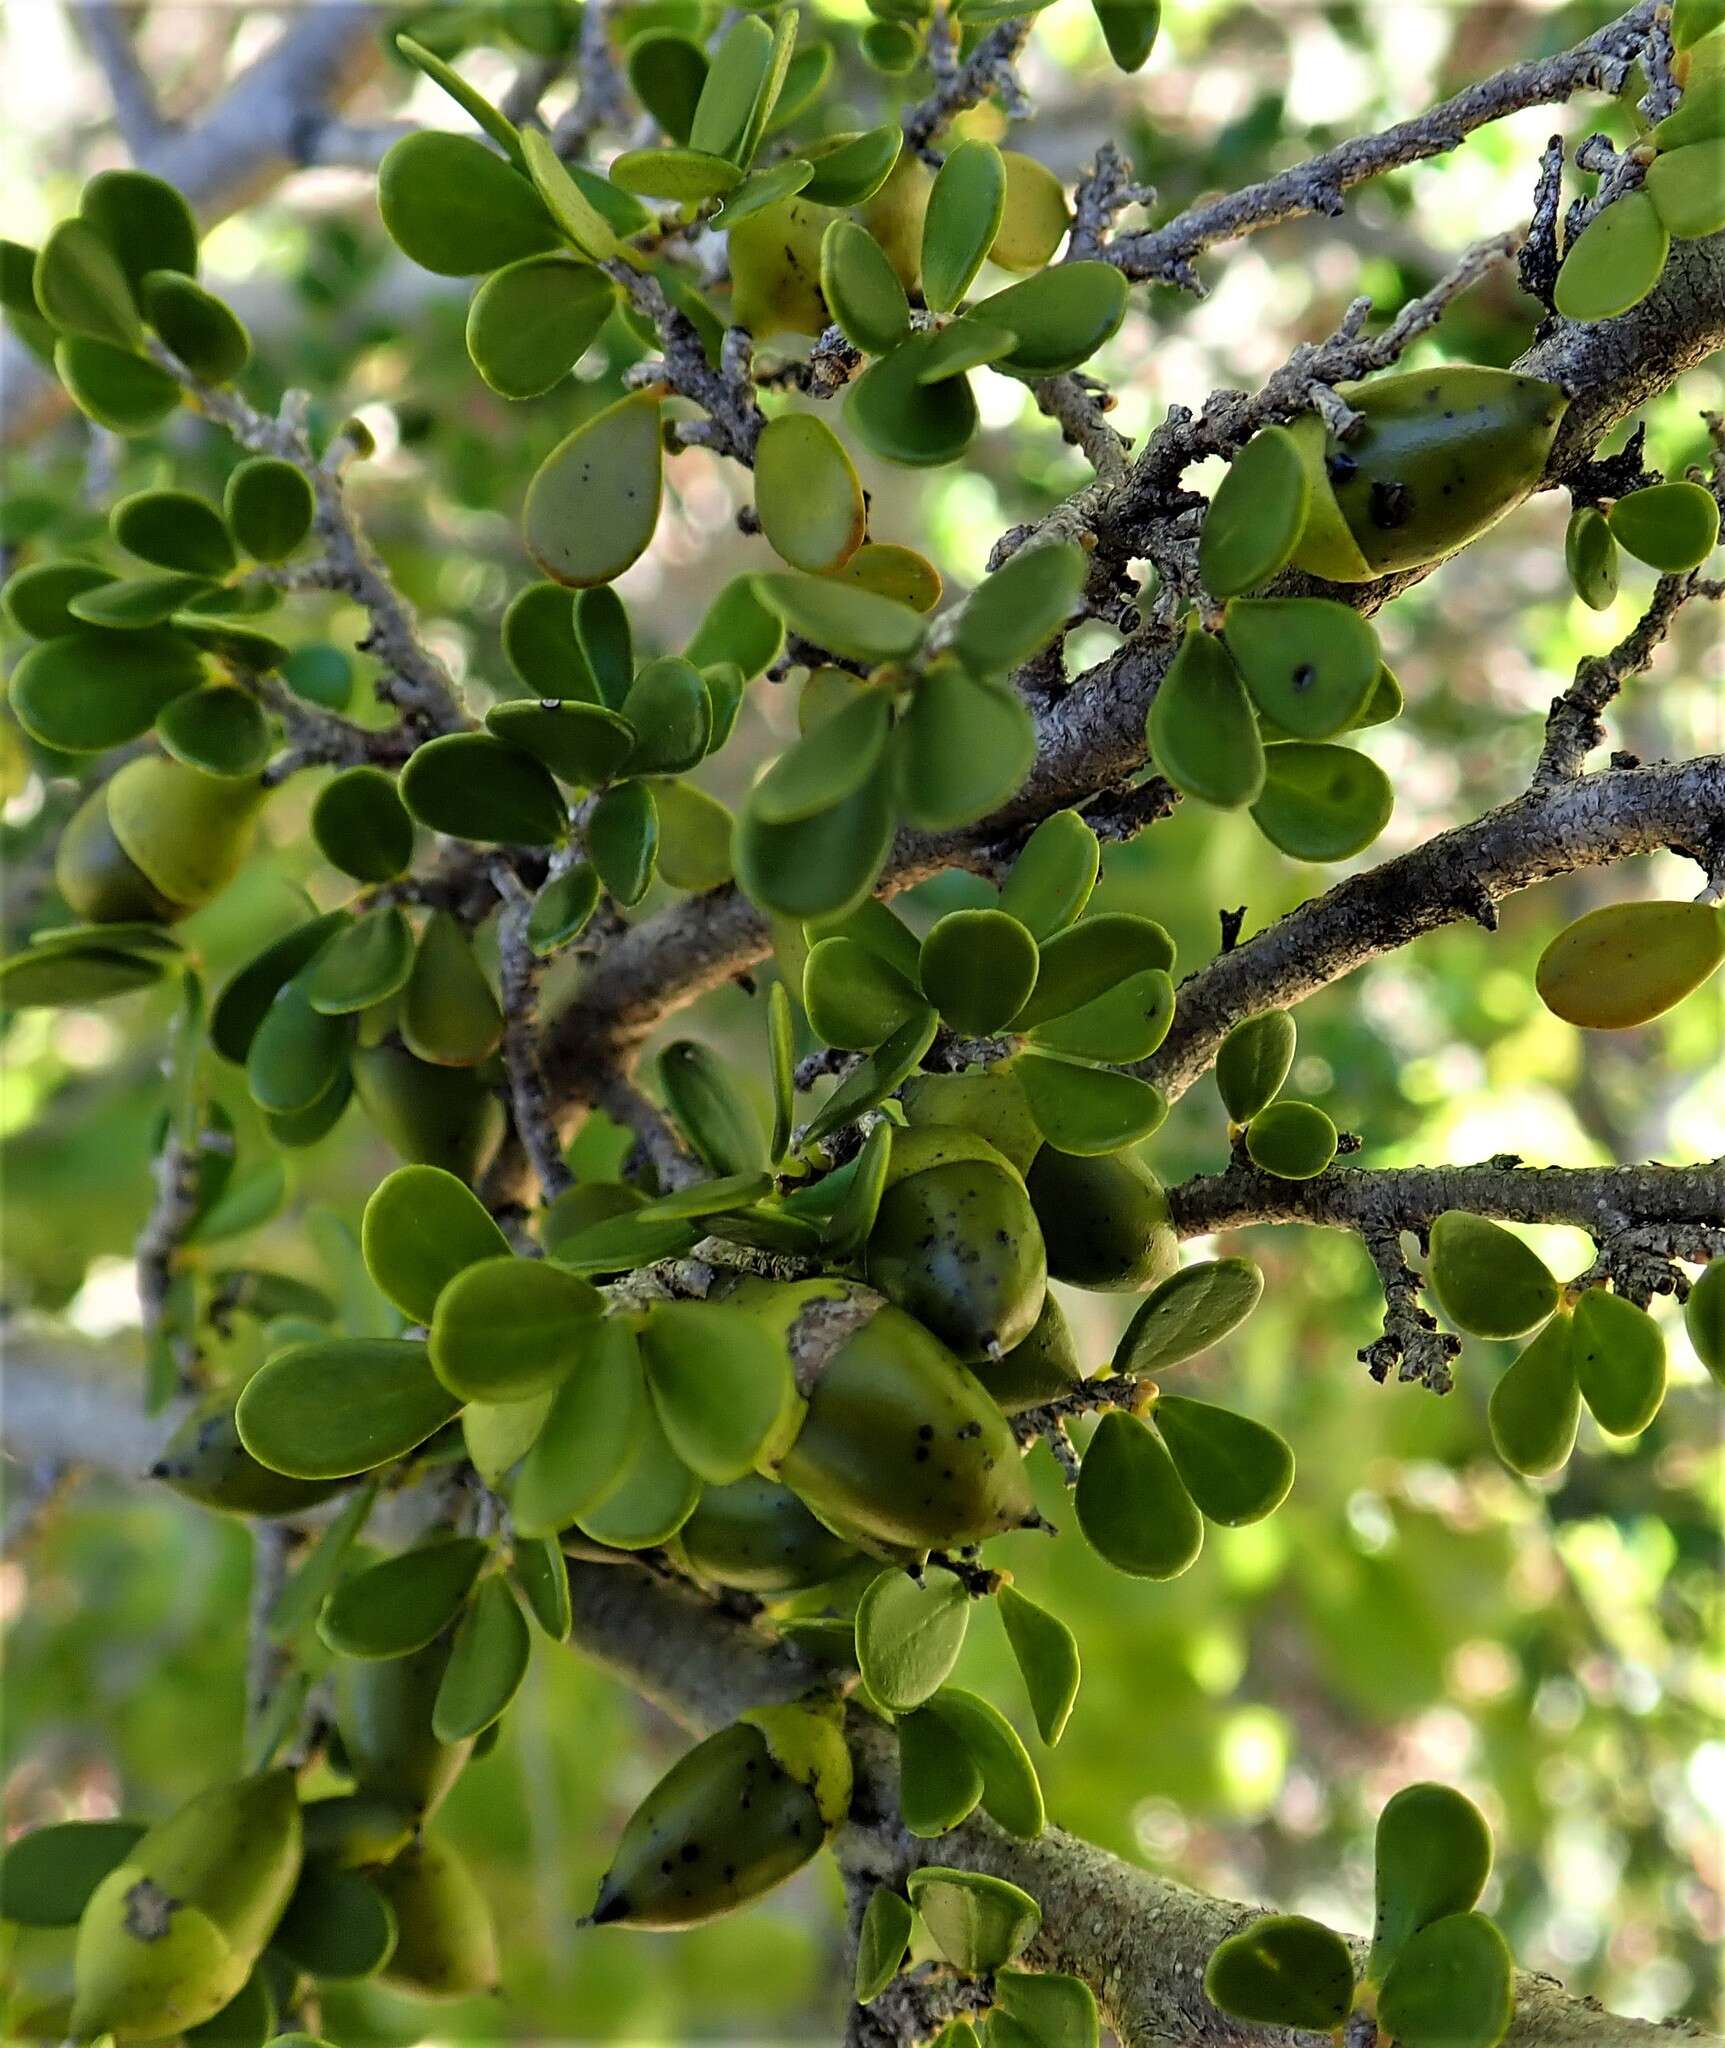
[(149, 1910), (1392, 506)]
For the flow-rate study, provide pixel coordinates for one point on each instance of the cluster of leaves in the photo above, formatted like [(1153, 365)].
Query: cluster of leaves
[(1439, 1974), (1619, 255)]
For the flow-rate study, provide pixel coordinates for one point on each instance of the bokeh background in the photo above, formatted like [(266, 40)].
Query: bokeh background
[(1414, 1610)]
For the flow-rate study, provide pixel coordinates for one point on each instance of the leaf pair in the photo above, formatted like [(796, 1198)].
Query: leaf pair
[(1144, 1492)]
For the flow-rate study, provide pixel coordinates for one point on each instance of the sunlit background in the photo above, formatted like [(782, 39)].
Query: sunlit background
[(1414, 1610)]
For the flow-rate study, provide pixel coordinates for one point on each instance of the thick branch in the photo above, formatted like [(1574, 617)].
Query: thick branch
[(1461, 873)]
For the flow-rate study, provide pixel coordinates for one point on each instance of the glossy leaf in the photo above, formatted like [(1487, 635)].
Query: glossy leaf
[(882, 1942), (861, 288), (1017, 610), (507, 1328), (1283, 1971), (338, 1926), (1487, 1281), (873, 1079), (1237, 1470), (1253, 1062), (807, 495), (201, 330), (1590, 556), (592, 506), (449, 1015), (977, 1922), (1433, 1858), (219, 730), (361, 825), (657, 1495), (1088, 960), (422, 1227), (669, 707), (1292, 1140), (1535, 1409), (94, 690), (1308, 662), (965, 209), (1051, 880), (566, 199), (939, 1781), (909, 1634), (81, 287), (543, 1578), (1201, 728), (329, 1410), (822, 866), (704, 1098), (978, 968), (1255, 519), (962, 748), (1127, 1023), (852, 167), (48, 1873), (1191, 1310), (363, 966), (118, 390), (902, 418), (457, 208), (1061, 316), (1321, 802), (1131, 1504), (1088, 1111), (1452, 1986), (1619, 1357), (1671, 527), (473, 786), (1615, 261), (487, 1664), (584, 1451), (562, 909), (532, 322), (1011, 1790), (721, 1383), (144, 220), (173, 530), (397, 1607)]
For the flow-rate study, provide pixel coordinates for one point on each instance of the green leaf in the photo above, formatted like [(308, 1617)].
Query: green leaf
[(901, 418), (1308, 662), (1131, 1503), (592, 506), (499, 1434), (1056, 2011), (81, 287), (297, 1053), (1433, 1858), (329, 1410), (543, 1577), (1487, 1281), (397, 1607), (909, 1634), (1293, 1140), (1283, 1971), (964, 746), (623, 840), (597, 1421), (57, 977), (361, 825), (1253, 1062), (136, 602), (1089, 1111), (48, 1874), (562, 909), (36, 598), (688, 177), (1087, 961), (669, 707), (965, 207), (1036, 218), (782, 1058), (1011, 1790), (1687, 185), (362, 966), (739, 74), (246, 996), (873, 1079), (1704, 1317), (1255, 519), (505, 1328), (621, 1242), (862, 288), (853, 997), (1015, 612), (807, 494), (978, 1923), (1127, 1023), (737, 627), (1201, 728), (338, 1926), (487, 1663), (118, 390), (423, 1227), (657, 1495), (968, 344), (1535, 1409), (501, 130), (1627, 963), (1619, 1356), (842, 619), (586, 744), (1046, 1653), (457, 208), (1051, 880), (1590, 556), (472, 786), (540, 644), (449, 1015), (1129, 29), (1237, 1470), (821, 866), (204, 332), (94, 690), (270, 507), (763, 188), (1061, 317), (1321, 802), (144, 220), (173, 530), (1191, 1310), (532, 322), (882, 1942), (1452, 1986), (721, 1128), (1670, 527), (978, 968), (1615, 261), (851, 167), (722, 1386), (667, 71), (847, 1228), (939, 1781), (219, 730)]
